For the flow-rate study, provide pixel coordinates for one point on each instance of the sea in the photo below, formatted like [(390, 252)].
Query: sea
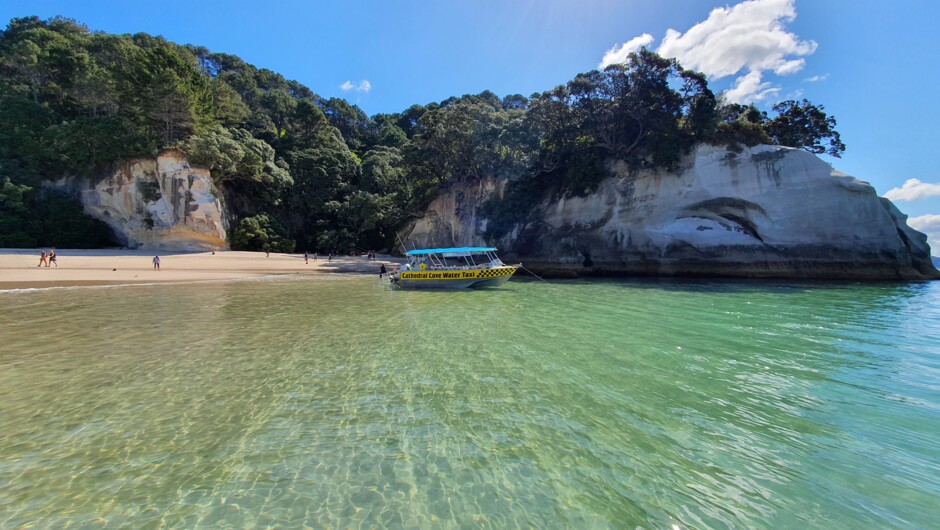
[(340, 402)]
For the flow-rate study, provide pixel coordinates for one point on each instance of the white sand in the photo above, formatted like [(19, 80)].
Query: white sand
[(18, 268)]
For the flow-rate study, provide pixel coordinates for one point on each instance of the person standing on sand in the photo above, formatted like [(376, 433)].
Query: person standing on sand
[(329, 258), (306, 258), (52, 257), (315, 255), (156, 263), (382, 270), (42, 258), (267, 253)]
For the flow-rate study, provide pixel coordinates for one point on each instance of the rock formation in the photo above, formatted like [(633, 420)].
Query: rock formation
[(161, 203), (767, 211)]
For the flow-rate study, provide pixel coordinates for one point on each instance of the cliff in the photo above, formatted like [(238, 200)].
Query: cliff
[(155, 203), (768, 211)]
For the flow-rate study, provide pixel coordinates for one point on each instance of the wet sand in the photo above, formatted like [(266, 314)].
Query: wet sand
[(18, 268)]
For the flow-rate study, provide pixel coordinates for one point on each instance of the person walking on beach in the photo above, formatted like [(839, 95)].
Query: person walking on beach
[(52, 258), (382, 270), (306, 257), (42, 258), (329, 258), (156, 263), (267, 253)]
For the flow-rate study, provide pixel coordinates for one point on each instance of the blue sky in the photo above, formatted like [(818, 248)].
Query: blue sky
[(873, 66)]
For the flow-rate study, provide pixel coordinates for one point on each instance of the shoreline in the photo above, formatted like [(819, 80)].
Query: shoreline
[(116, 267)]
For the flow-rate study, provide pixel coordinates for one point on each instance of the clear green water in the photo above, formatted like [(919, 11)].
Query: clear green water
[(340, 403)]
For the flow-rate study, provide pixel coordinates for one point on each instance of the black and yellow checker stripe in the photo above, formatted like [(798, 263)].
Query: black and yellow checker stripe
[(495, 273)]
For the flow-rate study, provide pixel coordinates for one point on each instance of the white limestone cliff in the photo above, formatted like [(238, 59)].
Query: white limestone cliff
[(767, 211), (155, 203)]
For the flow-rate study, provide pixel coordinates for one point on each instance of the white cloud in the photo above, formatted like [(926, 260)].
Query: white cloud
[(930, 225), (619, 54), (789, 67), (749, 87), (362, 86), (749, 36), (817, 78), (912, 190)]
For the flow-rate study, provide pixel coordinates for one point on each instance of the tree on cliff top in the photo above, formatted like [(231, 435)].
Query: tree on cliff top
[(805, 125)]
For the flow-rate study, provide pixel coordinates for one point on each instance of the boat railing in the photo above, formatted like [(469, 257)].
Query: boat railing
[(456, 267)]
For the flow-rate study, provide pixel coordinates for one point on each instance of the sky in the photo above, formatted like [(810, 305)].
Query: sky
[(872, 65)]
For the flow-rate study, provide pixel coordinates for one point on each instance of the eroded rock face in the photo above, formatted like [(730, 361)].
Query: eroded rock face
[(768, 211), (161, 203)]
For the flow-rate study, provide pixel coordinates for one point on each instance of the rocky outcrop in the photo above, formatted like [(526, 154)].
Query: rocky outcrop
[(161, 203), (767, 211)]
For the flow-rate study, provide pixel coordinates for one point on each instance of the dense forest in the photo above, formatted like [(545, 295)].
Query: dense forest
[(299, 171)]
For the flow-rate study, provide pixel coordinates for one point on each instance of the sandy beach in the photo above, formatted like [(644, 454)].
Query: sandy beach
[(18, 268)]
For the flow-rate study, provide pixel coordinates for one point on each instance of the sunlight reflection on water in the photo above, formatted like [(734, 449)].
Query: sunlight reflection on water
[(572, 404)]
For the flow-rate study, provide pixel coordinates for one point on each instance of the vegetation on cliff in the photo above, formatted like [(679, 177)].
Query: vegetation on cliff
[(301, 171)]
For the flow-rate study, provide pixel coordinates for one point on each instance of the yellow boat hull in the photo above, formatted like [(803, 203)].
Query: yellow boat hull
[(454, 279)]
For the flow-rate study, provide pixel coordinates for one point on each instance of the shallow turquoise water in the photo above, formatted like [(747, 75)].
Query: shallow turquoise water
[(340, 403)]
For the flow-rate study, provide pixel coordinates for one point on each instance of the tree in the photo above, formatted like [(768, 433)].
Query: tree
[(280, 107), (233, 154), (391, 135), (163, 88), (740, 124), (350, 120), (805, 125), (86, 145), (93, 88), (515, 102), (383, 171), (38, 217), (261, 232)]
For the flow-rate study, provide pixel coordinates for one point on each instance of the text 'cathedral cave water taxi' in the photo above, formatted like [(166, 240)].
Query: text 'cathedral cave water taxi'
[(452, 268)]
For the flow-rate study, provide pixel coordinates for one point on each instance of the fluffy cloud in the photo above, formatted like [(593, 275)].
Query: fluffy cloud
[(751, 88), (362, 86), (618, 54), (912, 190), (930, 225), (749, 36), (817, 78)]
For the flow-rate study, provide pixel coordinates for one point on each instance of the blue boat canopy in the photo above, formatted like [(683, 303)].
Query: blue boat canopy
[(450, 252)]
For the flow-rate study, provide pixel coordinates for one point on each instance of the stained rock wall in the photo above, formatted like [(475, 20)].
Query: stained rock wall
[(767, 211), (160, 203)]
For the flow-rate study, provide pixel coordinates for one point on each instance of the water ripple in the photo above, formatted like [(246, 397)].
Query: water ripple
[(573, 404)]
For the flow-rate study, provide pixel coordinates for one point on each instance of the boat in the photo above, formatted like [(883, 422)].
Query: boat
[(452, 268)]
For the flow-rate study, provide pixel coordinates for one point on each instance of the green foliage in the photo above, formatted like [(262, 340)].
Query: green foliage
[(234, 154), (32, 218), (261, 232), (295, 166), (16, 225), (740, 132), (86, 145), (149, 191), (391, 135), (805, 125)]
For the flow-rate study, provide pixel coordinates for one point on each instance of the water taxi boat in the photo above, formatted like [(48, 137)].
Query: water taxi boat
[(452, 268)]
